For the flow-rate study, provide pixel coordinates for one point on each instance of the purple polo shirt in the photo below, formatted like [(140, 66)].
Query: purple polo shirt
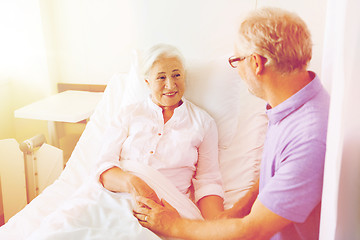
[(291, 175)]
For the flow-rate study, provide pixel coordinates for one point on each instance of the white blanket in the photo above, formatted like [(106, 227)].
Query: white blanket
[(95, 213)]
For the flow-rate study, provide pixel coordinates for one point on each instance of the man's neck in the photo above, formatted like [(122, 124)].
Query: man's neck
[(281, 87)]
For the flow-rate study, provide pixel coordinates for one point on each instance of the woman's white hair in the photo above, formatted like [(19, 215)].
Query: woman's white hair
[(280, 36), (155, 53)]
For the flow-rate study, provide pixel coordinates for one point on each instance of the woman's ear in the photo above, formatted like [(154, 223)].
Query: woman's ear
[(147, 81)]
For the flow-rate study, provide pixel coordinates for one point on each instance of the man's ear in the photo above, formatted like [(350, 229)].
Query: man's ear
[(147, 81), (258, 63)]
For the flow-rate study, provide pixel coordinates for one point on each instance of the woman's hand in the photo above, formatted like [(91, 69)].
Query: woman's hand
[(117, 180), (161, 218), (138, 187)]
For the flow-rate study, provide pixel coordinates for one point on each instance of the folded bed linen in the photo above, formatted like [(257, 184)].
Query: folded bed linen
[(96, 213)]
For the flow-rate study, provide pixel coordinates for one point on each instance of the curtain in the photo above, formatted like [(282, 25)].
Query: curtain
[(341, 194), (23, 64)]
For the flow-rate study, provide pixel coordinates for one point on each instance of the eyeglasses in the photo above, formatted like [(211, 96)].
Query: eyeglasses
[(234, 61)]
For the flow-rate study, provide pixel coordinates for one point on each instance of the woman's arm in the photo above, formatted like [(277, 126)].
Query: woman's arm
[(207, 181), (107, 170), (211, 206), (117, 180)]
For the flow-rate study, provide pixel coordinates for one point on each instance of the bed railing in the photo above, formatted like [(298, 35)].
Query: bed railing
[(26, 169)]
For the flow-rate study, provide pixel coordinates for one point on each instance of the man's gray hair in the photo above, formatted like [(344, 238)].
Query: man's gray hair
[(280, 36)]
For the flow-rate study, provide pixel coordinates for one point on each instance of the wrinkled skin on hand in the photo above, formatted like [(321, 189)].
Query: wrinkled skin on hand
[(160, 218)]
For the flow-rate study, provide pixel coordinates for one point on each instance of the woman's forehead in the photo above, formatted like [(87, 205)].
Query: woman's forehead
[(167, 64)]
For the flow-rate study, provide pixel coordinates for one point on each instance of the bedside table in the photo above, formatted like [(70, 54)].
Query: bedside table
[(68, 106)]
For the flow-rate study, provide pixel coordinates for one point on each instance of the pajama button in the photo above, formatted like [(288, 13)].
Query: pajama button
[(159, 134), (151, 152)]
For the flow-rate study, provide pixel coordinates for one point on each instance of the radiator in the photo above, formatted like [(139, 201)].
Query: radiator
[(26, 169)]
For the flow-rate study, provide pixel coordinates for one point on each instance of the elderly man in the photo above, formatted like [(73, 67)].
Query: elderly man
[(272, 52)]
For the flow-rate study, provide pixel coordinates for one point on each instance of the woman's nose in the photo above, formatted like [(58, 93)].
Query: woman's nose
[(169, 83)]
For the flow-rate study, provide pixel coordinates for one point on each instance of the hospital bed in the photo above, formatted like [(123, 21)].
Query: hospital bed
[(212, 85)]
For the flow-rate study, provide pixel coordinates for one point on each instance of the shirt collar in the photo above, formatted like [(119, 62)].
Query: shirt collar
[(157, 108), (285, 108)]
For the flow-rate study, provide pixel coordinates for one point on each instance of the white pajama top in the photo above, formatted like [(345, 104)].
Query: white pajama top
[(184, 149)]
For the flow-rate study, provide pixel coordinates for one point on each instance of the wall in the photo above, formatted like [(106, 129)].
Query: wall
[(94, 39)]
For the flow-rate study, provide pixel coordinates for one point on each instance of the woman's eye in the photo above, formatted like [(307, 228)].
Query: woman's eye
[(177, 75), (161, 77)]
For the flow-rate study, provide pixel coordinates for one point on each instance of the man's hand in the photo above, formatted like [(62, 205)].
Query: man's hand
[(160, 218)]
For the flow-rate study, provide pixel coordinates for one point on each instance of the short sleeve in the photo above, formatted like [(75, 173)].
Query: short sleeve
[(296, 187)]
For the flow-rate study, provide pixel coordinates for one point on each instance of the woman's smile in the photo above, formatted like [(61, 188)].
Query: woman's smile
[(170, 94)]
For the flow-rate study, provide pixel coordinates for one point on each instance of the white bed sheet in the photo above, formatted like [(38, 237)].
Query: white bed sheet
[(95, 213)]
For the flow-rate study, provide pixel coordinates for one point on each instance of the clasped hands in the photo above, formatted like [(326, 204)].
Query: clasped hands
[(151, 212), (160, 217)]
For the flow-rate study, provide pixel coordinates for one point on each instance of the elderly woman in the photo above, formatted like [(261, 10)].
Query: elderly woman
[(168, 133), (171, 139)]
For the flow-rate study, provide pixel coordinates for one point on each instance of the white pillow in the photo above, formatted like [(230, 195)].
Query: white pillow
[(111, 101), (121, 90), (240, 162), (240, 117), (214, 86), (135, 89)]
